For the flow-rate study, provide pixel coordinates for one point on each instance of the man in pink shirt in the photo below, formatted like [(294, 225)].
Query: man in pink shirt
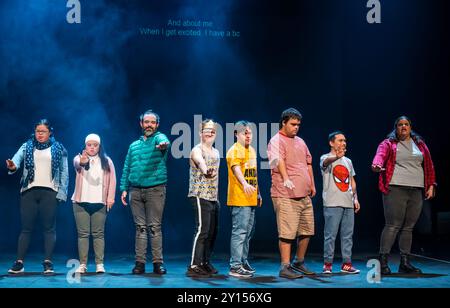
[(292, 188)]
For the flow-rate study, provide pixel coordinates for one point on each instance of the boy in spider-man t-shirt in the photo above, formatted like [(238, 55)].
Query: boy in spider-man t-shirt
[(340, 202)]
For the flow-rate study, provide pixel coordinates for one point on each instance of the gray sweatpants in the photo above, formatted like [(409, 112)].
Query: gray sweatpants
[(402, 208)]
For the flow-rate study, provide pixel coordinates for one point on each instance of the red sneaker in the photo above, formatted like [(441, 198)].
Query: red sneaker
[(349, 269), (327, 268)]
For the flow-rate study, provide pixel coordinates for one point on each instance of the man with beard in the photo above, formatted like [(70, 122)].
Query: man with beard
[(144, 176)]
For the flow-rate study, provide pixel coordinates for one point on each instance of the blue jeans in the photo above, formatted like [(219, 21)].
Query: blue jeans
[(243, 228), (335, 216)]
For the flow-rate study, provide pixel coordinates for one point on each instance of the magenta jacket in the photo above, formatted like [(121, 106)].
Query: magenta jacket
[(109, 181), (386, 156)]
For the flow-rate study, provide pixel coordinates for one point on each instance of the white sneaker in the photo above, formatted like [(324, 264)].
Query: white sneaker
[(100, 269), (82, 269)]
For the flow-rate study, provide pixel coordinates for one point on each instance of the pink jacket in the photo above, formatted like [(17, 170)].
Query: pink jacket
[(109, 182), (386, 156)]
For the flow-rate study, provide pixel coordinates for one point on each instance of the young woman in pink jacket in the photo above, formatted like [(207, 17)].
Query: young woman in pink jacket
[(95, 188)]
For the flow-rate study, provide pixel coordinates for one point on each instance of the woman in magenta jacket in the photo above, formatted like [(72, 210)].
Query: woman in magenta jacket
[(406, 174)]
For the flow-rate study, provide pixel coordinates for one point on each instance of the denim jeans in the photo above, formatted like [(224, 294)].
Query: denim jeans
[(242, 230), (147, 206), (90, 219), (335, 217)]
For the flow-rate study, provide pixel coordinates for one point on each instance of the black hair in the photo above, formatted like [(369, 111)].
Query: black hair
[(149, 112), (103, 158), (290, 113), (44, 122), (393, 134), (333, 135), (240, 125)]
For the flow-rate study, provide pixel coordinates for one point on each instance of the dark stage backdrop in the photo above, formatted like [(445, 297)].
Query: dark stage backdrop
[(228, 60)]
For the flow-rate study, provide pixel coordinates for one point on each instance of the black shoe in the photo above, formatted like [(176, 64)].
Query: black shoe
[(209, 268), (384, 267), (48, 267), (248, 268), (197, 271), (139, 268), (158, 268), (16, 268), (288, 272), (301, 268), (406, 267)]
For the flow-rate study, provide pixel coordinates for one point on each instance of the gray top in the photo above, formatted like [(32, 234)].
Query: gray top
[(337, 188), (408, 169)]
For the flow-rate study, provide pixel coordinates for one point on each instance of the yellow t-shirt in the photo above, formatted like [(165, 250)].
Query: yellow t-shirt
[(245, 158)]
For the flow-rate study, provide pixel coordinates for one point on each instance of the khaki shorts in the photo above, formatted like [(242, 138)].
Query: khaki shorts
[(295, 217)]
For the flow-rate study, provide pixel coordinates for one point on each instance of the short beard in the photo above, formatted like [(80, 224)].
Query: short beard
[(148, 133)]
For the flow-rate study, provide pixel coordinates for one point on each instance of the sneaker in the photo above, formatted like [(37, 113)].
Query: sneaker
[(240, 272), (82, 269), (16, 268), (287, 272), (248, 268), (349, 269), (139, 268), (300, 267), (100, 268), (197, 271), (208, 267), (327, 268), (48, 267)]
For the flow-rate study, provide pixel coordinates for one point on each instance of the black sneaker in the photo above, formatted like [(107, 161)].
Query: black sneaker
[(287, 272), (48, 267), (16, 268), (158, 268), (248, 268), (301, 268), (209, 268), (139, 268), (197, 271)]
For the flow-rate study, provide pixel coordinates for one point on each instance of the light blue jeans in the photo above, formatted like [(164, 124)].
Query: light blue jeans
[(335, 217), (242, 230)]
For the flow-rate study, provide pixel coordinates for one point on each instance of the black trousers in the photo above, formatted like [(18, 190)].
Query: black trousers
[(37, 202), (206, 226)]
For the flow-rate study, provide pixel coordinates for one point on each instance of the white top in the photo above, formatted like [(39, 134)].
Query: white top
[(92, 185), (42, 169)]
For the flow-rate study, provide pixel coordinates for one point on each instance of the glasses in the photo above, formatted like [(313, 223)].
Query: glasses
[(41, 131)]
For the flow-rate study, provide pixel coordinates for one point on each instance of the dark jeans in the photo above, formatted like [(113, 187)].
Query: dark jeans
[(34, 202), (402, 208), (147, 206), (206, 226)]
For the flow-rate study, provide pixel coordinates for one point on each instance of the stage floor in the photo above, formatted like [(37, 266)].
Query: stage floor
[(118, 275)]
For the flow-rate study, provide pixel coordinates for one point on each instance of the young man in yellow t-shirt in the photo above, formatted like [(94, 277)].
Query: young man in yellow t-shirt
[(243, 197)]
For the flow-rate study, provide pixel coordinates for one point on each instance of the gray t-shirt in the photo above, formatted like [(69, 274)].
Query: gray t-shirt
[(337, 188), (408, 169)]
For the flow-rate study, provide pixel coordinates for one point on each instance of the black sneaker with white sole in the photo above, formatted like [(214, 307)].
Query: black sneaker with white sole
[(16, 268), (240, 272), (248, 268), (48, 267)]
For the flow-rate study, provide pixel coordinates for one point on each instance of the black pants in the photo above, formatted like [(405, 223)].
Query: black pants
[(206, 225), (34, 202)]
